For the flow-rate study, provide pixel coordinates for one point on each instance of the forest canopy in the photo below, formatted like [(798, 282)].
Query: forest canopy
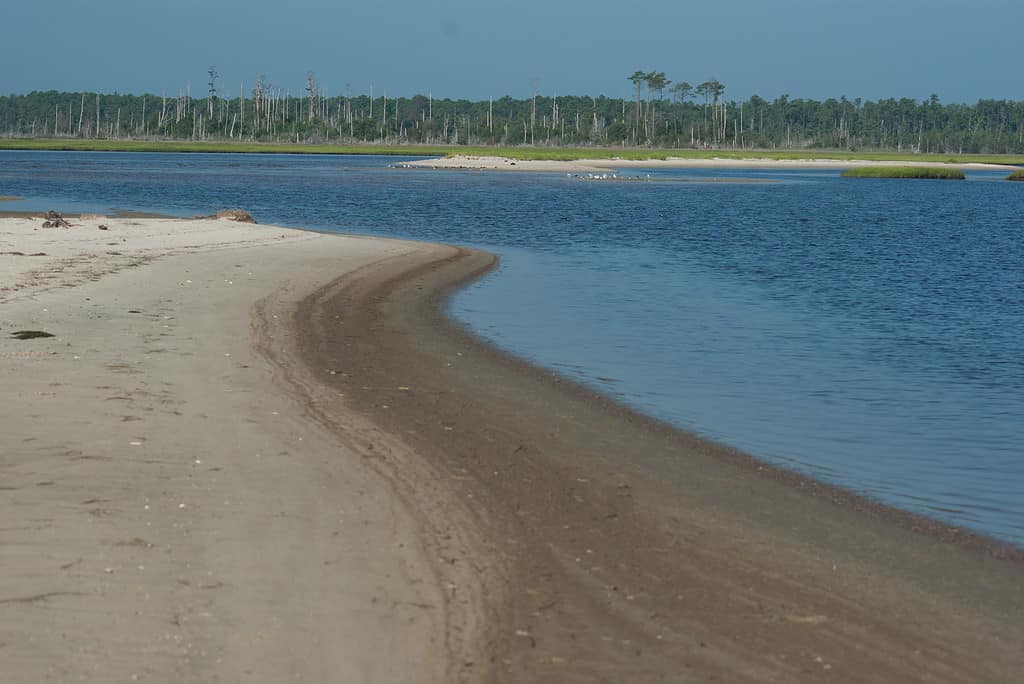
[(662, 114)]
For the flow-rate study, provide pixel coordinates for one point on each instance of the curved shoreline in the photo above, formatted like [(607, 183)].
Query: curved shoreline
[(838, 494), (256, 453), (632, 549)]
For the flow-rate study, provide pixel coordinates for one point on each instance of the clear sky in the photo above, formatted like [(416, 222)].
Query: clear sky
[(962, 50)]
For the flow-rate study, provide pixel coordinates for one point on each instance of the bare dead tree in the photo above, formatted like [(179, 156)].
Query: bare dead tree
[(534, 82), (257, 96), (311, 92), (212, 72)]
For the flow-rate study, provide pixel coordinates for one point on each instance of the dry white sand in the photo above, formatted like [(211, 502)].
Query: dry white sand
[(473, 163), (171, 507), (479, 163)]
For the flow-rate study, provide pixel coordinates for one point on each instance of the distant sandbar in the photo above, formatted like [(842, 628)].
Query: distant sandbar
[(486, 163)]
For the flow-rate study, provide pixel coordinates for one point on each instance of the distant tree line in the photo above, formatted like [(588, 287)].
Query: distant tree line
[(661, 113)]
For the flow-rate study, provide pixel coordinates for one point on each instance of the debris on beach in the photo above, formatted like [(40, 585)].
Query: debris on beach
[(239, 215), (30, 334), (55, 220)]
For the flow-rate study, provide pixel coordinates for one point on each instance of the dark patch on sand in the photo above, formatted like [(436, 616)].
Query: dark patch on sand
[(30, 334)]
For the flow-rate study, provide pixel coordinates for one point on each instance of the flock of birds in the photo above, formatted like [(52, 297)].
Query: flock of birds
[(607, 176)]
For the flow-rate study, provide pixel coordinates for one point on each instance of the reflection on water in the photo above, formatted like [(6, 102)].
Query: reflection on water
[(870, 333)]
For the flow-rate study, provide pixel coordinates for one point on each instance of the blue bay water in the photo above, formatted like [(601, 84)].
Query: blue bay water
[(867, 332)]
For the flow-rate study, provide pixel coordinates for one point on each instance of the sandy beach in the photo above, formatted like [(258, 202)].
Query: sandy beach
[(172, 508), (250, 453), (479, 163)]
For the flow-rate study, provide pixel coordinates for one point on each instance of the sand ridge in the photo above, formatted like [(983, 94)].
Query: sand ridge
[(484, 163)]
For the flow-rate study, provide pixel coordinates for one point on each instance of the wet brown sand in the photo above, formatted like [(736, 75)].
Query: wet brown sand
[(609, 547)]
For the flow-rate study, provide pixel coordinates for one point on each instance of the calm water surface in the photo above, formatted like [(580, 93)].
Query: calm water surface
[(869, 333)]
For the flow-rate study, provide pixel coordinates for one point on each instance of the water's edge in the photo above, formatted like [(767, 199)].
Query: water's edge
[(442, 305)]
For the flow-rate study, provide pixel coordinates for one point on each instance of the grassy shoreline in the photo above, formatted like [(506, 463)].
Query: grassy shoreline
[(523, 153), (938, 173)]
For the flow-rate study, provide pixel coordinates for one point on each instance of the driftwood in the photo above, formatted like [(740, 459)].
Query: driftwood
[(30, 334), (239, 215), (55, 220)]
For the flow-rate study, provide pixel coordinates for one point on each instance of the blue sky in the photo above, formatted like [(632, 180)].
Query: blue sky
[(961, 50)]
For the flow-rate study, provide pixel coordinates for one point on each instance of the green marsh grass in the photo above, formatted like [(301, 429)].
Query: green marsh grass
[(1017, 175), (904, 172)]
